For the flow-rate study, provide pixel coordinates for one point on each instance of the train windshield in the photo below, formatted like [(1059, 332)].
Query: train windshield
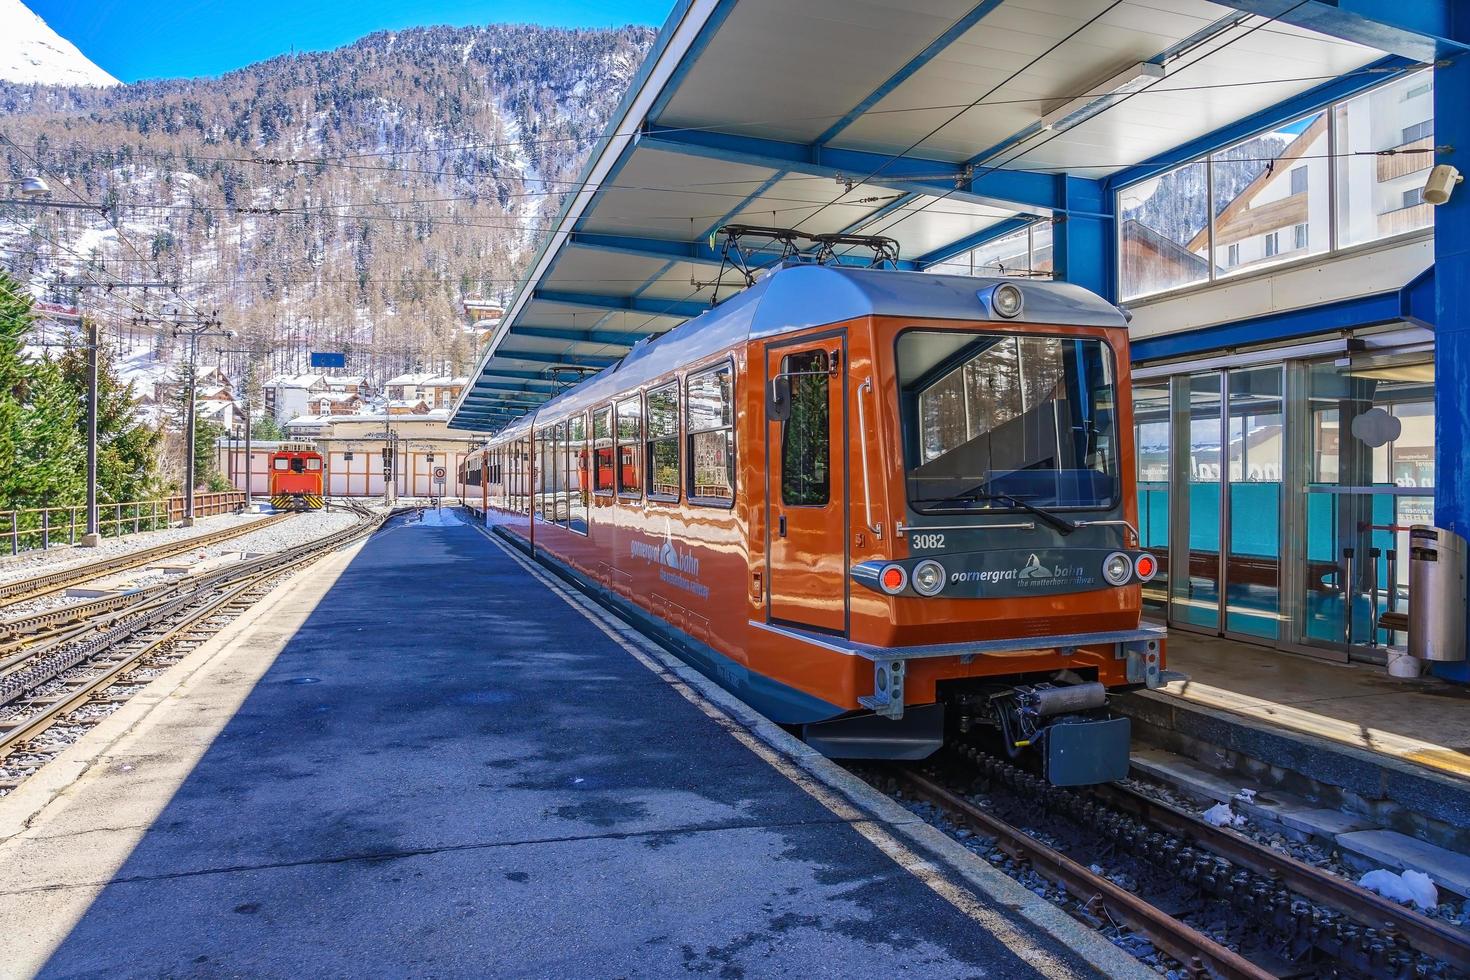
[(1007, 421)]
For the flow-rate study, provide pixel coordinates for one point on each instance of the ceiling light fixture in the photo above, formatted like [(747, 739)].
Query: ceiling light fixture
[(1108, 93)]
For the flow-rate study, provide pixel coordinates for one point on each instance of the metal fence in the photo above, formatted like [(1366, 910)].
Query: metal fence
[(34, 528)]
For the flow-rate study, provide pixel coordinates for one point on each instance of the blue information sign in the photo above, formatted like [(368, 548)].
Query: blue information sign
[(328, 359)]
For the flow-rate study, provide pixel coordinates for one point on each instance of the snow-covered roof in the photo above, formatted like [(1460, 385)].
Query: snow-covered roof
[(419, 378), (350, 381), (405, 402), (337, 397), (307, 381), (445, 381)]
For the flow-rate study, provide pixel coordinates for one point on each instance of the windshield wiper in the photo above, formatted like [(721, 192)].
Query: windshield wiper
[(1054, 520)]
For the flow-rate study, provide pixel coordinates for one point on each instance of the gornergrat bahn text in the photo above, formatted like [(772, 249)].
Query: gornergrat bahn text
[(296, 477), (885, 508)]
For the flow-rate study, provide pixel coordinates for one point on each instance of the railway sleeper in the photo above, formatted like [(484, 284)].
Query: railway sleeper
[(1303, 928)]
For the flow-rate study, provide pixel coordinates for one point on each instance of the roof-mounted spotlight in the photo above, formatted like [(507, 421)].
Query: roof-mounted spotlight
[(1101, 96), (1441, 183)]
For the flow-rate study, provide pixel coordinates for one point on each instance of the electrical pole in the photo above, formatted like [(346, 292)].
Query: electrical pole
[(91, 538), (189, 438)]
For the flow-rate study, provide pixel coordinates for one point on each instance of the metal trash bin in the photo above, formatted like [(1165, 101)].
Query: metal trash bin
[(1437, 594)]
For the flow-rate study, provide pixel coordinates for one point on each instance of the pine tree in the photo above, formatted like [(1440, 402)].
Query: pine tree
[(127, 447), (50, 454)]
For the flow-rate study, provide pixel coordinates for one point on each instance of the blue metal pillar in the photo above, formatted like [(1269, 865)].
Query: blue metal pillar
[(1082, 240), (1452, 316)]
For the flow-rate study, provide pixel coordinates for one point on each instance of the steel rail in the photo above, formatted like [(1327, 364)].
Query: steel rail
[(1197, 951), (41, 585), (1427, 935)]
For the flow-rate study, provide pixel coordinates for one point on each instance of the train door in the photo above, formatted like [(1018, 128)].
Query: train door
[(806, 483)]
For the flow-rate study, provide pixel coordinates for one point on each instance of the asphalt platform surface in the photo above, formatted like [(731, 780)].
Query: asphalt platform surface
[(437, 767)]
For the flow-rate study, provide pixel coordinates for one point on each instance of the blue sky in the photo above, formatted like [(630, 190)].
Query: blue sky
[(136, 39)]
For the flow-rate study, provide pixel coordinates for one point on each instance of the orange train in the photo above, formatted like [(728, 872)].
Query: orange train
[(882, 507), (296, 477)]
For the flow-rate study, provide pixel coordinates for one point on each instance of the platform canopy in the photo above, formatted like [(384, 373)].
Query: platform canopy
[(944, 124)]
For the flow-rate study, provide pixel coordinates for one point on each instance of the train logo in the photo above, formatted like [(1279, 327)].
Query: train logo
[(1035, 569)]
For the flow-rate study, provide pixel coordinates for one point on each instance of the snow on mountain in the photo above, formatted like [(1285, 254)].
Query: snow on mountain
[(32, 53)]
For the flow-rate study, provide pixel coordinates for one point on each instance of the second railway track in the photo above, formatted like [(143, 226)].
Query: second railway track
[(66, 678), (23, 590)]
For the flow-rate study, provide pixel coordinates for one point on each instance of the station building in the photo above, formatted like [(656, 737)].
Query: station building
[(1246, 178)]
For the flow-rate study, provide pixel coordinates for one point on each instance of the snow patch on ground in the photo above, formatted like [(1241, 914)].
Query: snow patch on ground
[(1220, 815), (440, 518), (1411, 886)]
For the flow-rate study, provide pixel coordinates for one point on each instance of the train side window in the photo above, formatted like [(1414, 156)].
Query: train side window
[(561, 510), (281, 463), (661, 445), (630, 441), (602, 443), (806, 437), (312, 463), (577, 473), (709, 426)]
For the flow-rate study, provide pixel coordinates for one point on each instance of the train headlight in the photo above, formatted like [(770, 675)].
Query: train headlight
[(1006, 300), (892, 579), (1146, 566), (1117, 569), (928, 577)]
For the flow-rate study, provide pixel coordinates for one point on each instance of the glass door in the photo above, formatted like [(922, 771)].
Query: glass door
[(1253, 484), (1195, 573)]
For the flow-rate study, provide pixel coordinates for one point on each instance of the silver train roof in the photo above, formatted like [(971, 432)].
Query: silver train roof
[(796, 296)]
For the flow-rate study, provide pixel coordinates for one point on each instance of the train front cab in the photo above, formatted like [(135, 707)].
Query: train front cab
[(971, 546)]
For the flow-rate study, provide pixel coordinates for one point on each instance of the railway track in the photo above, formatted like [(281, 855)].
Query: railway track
[(1191, 884), (24, 590), (66, 681)]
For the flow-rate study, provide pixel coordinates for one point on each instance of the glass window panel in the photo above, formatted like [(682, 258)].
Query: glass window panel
[(709, 414), (602, 443), (1163, 231), (1041, 248), (562, 509), (630, 440), (662, 452), (577, 467), (1374, 192), (1008, 256), (1253, 559), (1151, 441), (1271, 197), (806, 436)]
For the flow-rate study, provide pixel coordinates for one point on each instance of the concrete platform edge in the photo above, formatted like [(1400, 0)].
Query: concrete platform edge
[(1369, 775), (974, 872), (19, 809)]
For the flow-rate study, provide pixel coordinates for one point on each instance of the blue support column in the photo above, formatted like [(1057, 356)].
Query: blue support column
[(1082, 240), (1452, 317)]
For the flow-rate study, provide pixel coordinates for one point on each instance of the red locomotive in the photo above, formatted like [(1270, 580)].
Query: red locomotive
[(884, 507), (296, 477)]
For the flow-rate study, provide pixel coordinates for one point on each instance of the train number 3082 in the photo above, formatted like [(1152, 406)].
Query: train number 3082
[(928, 541)]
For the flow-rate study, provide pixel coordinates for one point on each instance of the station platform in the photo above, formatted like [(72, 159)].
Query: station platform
[(427, 757), (1393, 751)]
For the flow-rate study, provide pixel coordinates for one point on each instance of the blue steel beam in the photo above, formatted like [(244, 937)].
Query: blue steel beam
[(1293, 108), (574, 360), (934, 49), (701, 251), (1003, 188), (969, 242), (1349, 314), (629, 304), (576, 336), (1419, 29), (1452, 318)]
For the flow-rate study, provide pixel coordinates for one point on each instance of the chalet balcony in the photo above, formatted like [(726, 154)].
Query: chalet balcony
[(1405, 219), (1402, 164)]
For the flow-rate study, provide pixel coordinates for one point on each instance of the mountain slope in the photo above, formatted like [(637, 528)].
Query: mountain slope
[(32, 53), (340, 200)]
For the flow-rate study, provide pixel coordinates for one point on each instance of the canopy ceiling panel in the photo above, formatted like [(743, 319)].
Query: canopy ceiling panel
[(836, 116), (796, 68)]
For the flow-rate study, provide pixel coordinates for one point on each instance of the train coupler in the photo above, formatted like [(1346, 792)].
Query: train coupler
[(1069, 725)]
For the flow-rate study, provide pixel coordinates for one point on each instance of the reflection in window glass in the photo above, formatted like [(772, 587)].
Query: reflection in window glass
[(709, 424), (1164, 227), (577, 473), (1271, 197), (1375, 196), (561, 505), (1020, 254), (991, 419), (1151, 414), (602, 442), (630, 440), (661, 457), (806, 437)]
